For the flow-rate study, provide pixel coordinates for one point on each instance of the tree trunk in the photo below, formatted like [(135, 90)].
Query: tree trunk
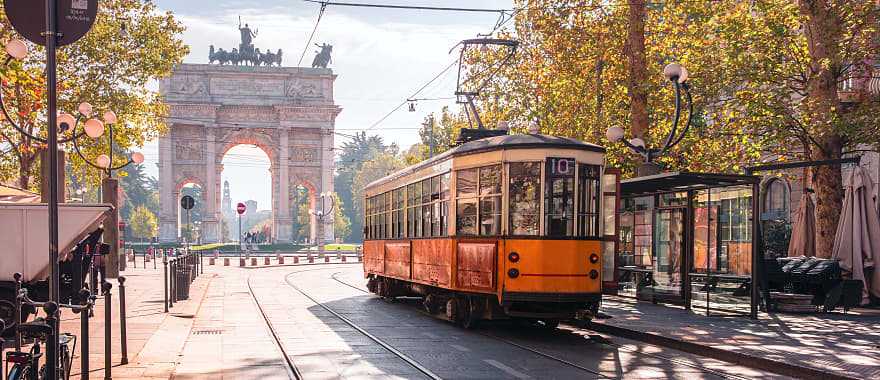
[(26, 163), (638, 73), (822, 28)]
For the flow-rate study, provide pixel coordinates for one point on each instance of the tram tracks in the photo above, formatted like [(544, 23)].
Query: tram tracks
[(412, 362), (581, 330)]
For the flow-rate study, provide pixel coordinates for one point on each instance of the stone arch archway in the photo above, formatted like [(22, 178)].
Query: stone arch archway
[(214, 108)]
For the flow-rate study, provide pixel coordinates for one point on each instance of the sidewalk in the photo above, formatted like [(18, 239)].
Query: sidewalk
[(830, 345), (155, 339)]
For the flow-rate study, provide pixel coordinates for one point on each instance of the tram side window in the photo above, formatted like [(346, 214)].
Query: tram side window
[(444, 203), (410, 211), (466, 206), (588, 200), (559, 197), (525, 198), (490, 200), (479, 201), (397, 202)]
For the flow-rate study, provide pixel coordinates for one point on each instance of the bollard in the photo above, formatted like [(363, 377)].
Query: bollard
[(153, 257), (241, 262), (266, 260), (84, 336), (211, 261), (296, 259), (338, 256), (201, 265), (165, 283), (172, 282), (225, 261), (326, 259), (108, 330), (253, 261), (123, 336), (280, 259), (343, 259), (311, 260), (17, 316)]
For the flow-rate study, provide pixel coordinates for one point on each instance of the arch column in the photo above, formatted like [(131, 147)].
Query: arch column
[(167, 200), (211, 190), (327, 164), (283, 221)]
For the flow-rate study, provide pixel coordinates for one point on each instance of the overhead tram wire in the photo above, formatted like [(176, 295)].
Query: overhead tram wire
[(410, 7), (403, 103), (309, 42)]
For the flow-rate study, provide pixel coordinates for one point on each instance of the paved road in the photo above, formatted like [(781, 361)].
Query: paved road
[(328, 327)]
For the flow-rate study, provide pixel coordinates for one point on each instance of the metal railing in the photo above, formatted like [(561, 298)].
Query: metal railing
[(180, 271)]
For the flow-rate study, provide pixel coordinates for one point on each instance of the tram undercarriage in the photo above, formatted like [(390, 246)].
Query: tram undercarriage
[(467, 309)]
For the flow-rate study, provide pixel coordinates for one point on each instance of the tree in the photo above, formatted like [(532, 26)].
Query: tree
[(382, 164), (355, 153), (138, 189), (143, 223), (107, 68), (341, 222)]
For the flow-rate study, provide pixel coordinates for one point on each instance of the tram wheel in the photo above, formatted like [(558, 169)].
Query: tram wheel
[(430, 304), (470, 313)]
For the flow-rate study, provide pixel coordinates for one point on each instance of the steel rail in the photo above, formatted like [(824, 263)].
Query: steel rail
[(577, 328), (526, 348), (372, 337), (290, 364)]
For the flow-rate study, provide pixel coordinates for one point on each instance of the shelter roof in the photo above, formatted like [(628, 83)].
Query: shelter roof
[(16, 195), (682, 181)]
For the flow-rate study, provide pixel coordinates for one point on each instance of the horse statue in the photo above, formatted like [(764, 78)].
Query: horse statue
[(221, 56), (322, 58), (235, 57)]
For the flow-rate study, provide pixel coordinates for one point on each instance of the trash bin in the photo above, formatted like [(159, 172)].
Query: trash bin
[(182, 281)]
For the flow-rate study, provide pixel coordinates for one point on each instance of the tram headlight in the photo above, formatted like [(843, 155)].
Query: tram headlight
[(513, 257), (594, 274), (513, 273), (594, 258)]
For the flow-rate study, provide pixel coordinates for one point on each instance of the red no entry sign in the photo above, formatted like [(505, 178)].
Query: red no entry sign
[(241, 208)]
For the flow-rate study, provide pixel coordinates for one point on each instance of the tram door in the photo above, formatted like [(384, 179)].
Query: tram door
[(669, 252)]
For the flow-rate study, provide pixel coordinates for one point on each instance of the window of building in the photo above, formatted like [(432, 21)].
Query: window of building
[(776, 200), (524, 190)]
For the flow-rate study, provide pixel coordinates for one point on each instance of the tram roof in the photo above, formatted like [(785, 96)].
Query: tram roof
[(518, 141)]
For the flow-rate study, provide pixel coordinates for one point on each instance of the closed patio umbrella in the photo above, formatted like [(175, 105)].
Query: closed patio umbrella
[(857, 242), (803, 234)]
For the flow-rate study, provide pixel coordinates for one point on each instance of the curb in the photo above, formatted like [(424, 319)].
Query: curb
[(757, 362), (298, 265)]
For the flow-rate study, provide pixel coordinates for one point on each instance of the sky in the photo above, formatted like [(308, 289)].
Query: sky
[(381, 56)]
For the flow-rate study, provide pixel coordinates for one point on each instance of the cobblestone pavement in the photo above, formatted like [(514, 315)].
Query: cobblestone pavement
[(834, 344), (323, 346)]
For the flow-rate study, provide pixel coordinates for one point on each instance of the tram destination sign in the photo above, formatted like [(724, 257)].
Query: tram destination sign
[(558, 167), (75, 19)]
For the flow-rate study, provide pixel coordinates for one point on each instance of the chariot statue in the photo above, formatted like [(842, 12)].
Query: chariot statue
[(246, 53)]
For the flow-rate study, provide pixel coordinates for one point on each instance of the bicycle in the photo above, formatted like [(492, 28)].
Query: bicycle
[(25, 364)]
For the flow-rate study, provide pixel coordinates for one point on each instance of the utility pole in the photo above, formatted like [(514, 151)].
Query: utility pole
[(431, 141)]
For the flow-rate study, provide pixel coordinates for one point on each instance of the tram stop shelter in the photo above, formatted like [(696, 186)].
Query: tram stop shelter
[(689, 239)]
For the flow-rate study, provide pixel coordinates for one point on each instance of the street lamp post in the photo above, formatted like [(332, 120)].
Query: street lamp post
[(322, 214), (678, 76)]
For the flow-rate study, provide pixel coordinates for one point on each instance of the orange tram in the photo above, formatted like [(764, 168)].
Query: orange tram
[(507, 226)]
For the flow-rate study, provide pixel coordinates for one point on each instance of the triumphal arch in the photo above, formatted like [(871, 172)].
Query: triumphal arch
[(288, 112)]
